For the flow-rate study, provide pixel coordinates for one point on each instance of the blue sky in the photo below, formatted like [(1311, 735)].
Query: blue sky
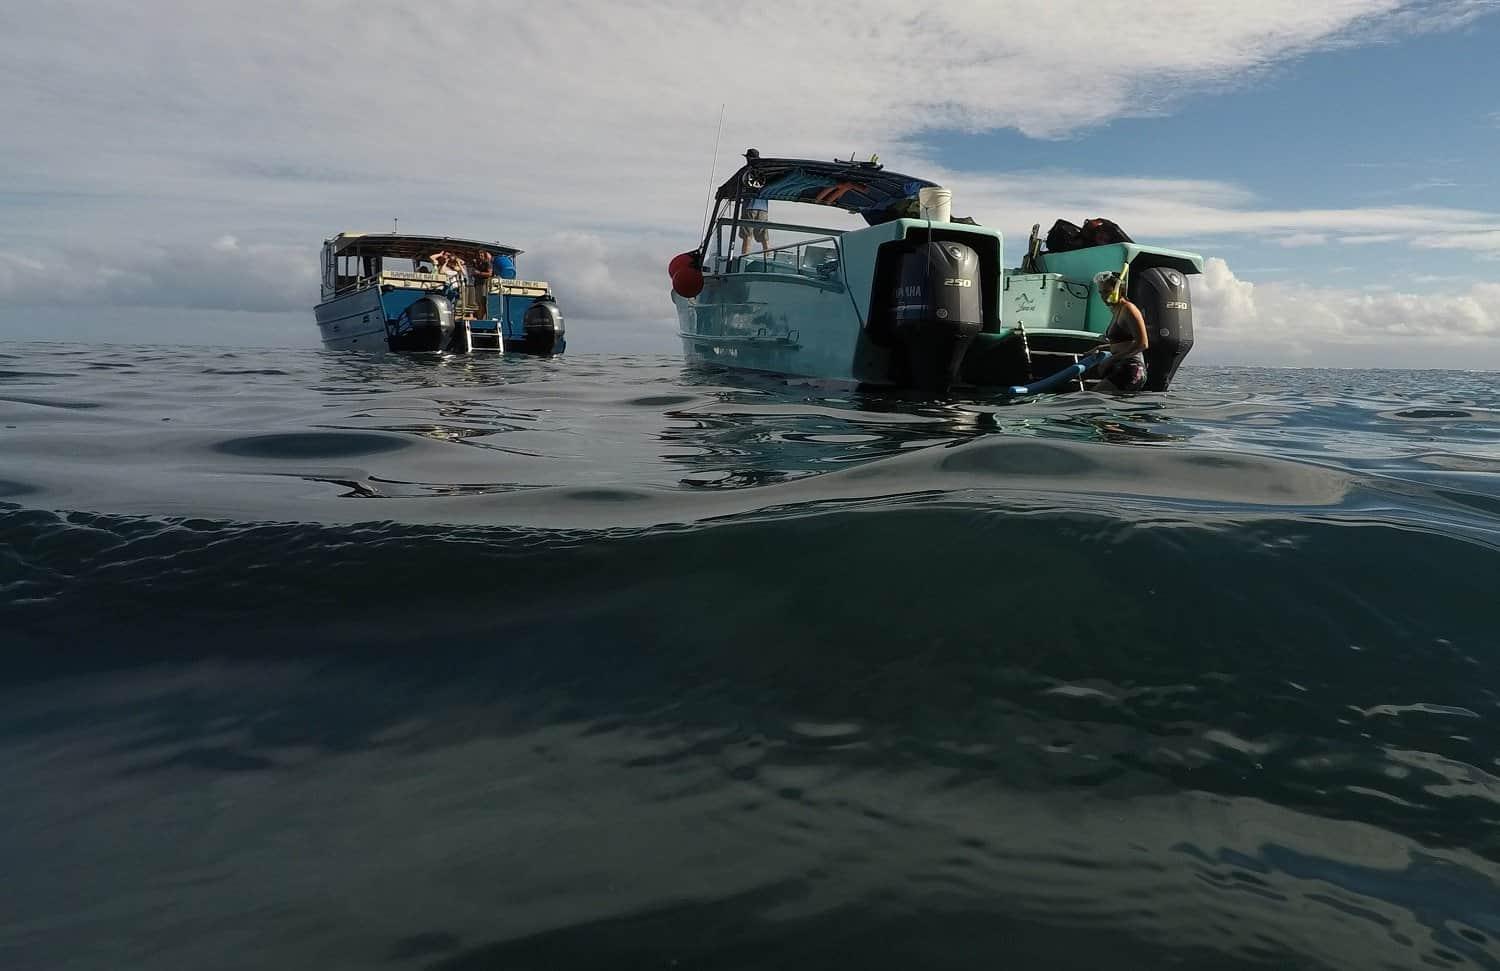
[(1412, 122), (1332, 161)]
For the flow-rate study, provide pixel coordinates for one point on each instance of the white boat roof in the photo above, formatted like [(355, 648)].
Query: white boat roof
[(407, 245)]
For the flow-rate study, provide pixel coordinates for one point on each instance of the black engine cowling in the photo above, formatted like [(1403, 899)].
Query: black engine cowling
[(427, 325), (937, 307), (1162, 295), (543, 322)]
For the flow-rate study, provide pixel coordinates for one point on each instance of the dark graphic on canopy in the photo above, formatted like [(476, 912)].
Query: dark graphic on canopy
[(863, 187)]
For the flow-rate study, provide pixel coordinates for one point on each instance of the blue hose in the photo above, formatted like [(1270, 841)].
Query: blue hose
[(1069, 373)]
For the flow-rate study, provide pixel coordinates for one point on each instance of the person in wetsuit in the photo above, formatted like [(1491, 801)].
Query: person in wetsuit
[(1125, 339)]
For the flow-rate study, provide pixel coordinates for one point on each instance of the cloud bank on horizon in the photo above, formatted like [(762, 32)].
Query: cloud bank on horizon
[(193, 158)]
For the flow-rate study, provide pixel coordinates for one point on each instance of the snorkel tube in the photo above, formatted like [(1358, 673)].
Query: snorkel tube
[(1117, 292)]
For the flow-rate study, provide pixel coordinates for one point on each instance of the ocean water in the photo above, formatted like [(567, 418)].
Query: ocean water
[(323, 661)]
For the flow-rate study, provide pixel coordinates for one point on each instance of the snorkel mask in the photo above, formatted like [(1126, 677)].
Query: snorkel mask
[(1108, 285)]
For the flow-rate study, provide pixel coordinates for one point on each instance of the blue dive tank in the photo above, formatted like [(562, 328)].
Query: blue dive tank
[(505, 266)]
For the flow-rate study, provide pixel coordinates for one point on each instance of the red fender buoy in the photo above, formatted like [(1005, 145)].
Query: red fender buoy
[(688, 281), (679, 261)]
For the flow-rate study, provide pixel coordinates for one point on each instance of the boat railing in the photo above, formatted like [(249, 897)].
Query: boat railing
[(350, 284), (783, 227), (436, 282)]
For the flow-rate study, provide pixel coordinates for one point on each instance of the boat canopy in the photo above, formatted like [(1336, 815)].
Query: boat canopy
[(402, 246), (861, 187)]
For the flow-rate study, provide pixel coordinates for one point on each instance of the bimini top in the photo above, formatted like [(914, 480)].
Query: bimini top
[(862, 187), (403, 246)]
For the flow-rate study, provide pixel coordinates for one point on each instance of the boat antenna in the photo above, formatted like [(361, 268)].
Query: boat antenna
[(713, 169), (396, 226)]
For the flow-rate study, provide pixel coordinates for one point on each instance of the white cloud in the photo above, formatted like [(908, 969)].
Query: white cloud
[(329, 109), (1177, 209), (1483, 241), (599, 279), (18, 271), (221, 274), (1281, 323)]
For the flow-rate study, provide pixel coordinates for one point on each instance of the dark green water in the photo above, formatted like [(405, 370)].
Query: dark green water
[(318, 661)]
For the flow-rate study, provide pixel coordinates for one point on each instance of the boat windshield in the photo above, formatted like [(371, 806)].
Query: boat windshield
[(773, 247)]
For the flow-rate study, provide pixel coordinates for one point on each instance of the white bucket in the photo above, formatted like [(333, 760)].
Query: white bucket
[(935, 203)]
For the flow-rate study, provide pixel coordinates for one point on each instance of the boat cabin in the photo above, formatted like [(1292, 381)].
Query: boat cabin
[(354, 261)]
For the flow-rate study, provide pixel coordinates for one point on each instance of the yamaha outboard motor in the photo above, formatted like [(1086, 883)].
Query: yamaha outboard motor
[(938, 307), (426, 325), (544, 327), (1161, 293)]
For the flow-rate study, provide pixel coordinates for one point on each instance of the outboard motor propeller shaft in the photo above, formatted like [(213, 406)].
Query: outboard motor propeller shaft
[(938, 307)]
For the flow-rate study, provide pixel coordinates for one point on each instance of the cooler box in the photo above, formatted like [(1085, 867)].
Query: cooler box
[(1044, 301)]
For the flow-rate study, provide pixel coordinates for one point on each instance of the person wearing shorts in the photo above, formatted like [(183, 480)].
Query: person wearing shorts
[(757, 209), (481, 272)]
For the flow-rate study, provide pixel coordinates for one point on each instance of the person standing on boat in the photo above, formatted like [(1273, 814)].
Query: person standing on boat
[(1125, 339), (460, 280), (755, 209), (482, 272), (452, 271)]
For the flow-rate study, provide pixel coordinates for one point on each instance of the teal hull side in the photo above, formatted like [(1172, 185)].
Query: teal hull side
[(803, 319), (802, 325), (773, 322)]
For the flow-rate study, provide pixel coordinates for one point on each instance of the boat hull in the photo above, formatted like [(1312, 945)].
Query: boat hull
[(360, 320), (778, 324), (801, 323), (352, 321), (772, 327)]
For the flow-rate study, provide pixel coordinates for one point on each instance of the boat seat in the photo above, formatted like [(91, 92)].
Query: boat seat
[(758, 264), (820, 261)]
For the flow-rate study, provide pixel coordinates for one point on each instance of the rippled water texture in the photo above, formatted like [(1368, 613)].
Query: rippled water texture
[(336, 662)]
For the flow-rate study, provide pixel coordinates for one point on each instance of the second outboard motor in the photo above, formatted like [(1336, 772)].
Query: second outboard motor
[(426, 325), (1161, 293), (938, 307), (543, 322)]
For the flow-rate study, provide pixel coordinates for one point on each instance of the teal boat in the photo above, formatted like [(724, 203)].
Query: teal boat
[(914, 298)]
